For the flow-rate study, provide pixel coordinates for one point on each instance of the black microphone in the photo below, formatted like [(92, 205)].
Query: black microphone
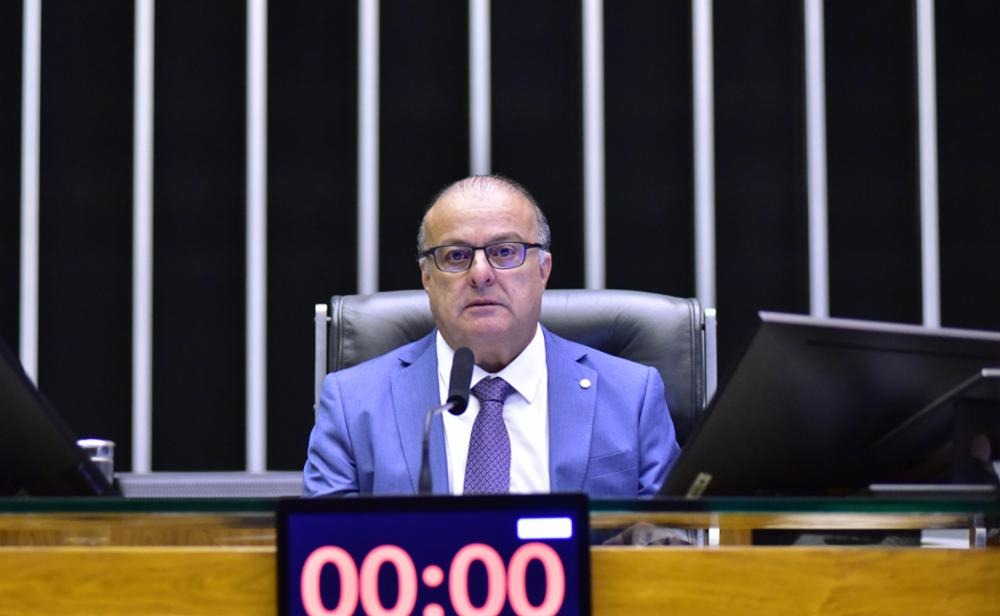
[(461, 378), (458, 400)]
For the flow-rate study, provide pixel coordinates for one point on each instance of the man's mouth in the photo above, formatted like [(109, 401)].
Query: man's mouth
[(481, 303)]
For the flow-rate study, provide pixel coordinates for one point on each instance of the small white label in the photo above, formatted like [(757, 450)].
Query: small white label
[(698, 486), (544, 528)]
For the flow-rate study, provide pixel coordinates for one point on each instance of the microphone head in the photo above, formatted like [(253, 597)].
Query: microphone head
[(461, 378)]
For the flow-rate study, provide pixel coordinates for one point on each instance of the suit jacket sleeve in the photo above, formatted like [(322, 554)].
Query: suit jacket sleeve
[(330, 467), (657, 437)]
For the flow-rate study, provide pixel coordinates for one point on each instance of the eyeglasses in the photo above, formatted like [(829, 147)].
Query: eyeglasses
[(500, 255)]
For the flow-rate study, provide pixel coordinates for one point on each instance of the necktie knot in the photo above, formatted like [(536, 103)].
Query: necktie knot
[(492, 389)]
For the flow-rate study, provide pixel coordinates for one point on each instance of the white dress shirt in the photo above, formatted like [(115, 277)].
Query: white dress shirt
[(526, 413)]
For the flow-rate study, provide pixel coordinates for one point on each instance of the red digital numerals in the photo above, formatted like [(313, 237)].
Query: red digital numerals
[(503, 583)]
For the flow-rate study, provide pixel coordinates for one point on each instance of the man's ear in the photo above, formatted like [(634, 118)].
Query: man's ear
[(425, 276), (545, 265)]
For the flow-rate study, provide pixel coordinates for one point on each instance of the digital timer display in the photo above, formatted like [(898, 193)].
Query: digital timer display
[(434, 555)]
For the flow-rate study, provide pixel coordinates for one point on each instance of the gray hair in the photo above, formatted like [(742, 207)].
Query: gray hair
[(485, 184)]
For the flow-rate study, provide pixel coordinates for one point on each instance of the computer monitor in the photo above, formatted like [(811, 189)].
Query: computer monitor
[(38, 452), (810, 398)]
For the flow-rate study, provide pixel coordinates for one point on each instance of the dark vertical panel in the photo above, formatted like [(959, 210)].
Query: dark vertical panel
[(199, 194), (423, 124), (968, 159), (648, 158), (872, 155), (761, 211), (538, 117), (312, 212), (10, 170), (85, 302)]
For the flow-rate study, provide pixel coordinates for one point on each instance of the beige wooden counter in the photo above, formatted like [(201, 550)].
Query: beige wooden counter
[(733, 580), (191, 562)]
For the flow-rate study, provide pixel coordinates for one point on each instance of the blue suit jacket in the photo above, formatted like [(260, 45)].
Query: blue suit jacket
[(614, 439)]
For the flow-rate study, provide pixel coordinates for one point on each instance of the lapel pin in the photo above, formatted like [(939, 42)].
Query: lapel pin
[(585, 383)]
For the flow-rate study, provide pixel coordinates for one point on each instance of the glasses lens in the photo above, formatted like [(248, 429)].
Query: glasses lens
[(505, 255), (453, 258)]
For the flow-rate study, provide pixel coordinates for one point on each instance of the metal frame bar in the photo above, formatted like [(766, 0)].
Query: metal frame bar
[(30, 112), (256, 238), (142, 239), (704, 151), (368, 118), (927, 109), (480, 136), (819, 285), (593, 143)]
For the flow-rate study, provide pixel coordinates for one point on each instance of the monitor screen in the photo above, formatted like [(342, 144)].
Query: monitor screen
[(38, 453), (434, 555), (810, 398)]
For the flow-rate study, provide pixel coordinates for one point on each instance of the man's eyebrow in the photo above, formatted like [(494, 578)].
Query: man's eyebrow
[(503, 237)]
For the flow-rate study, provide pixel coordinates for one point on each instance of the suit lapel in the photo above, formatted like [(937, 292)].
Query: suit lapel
[(414, 392), (571, 414)]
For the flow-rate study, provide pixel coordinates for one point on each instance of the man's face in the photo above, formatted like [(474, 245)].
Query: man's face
[(492, 311)]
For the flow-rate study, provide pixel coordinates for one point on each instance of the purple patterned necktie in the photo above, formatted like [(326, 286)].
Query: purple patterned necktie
[(487, 469)]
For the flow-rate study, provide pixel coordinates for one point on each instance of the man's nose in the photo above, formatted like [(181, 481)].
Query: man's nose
[(481, 273)]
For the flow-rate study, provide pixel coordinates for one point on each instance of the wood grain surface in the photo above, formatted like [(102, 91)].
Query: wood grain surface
[(789, 580), (138, 580), (703, 581), (137, 529)]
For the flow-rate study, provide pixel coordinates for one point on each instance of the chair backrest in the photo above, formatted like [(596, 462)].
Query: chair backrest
[(674, 335)]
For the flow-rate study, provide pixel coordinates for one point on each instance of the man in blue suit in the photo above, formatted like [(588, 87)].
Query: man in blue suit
[(546, 414)]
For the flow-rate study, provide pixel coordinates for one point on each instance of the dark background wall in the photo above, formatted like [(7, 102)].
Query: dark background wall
[(199, 162), (10, 169), (85, 199)]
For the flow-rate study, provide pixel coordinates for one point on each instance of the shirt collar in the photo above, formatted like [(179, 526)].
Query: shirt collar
[(524, 373)]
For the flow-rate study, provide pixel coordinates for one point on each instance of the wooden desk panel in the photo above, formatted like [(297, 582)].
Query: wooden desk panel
[(137, 529), (788, 580), (737, 580), (138, 580)]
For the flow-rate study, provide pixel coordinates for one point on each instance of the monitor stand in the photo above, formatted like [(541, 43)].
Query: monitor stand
[(952, 445)]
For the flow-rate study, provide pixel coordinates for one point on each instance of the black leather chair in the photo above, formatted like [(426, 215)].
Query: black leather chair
[(674, 335)]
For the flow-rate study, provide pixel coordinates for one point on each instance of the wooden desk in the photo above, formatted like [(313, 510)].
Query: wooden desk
[(736, 580), (143, 561)]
